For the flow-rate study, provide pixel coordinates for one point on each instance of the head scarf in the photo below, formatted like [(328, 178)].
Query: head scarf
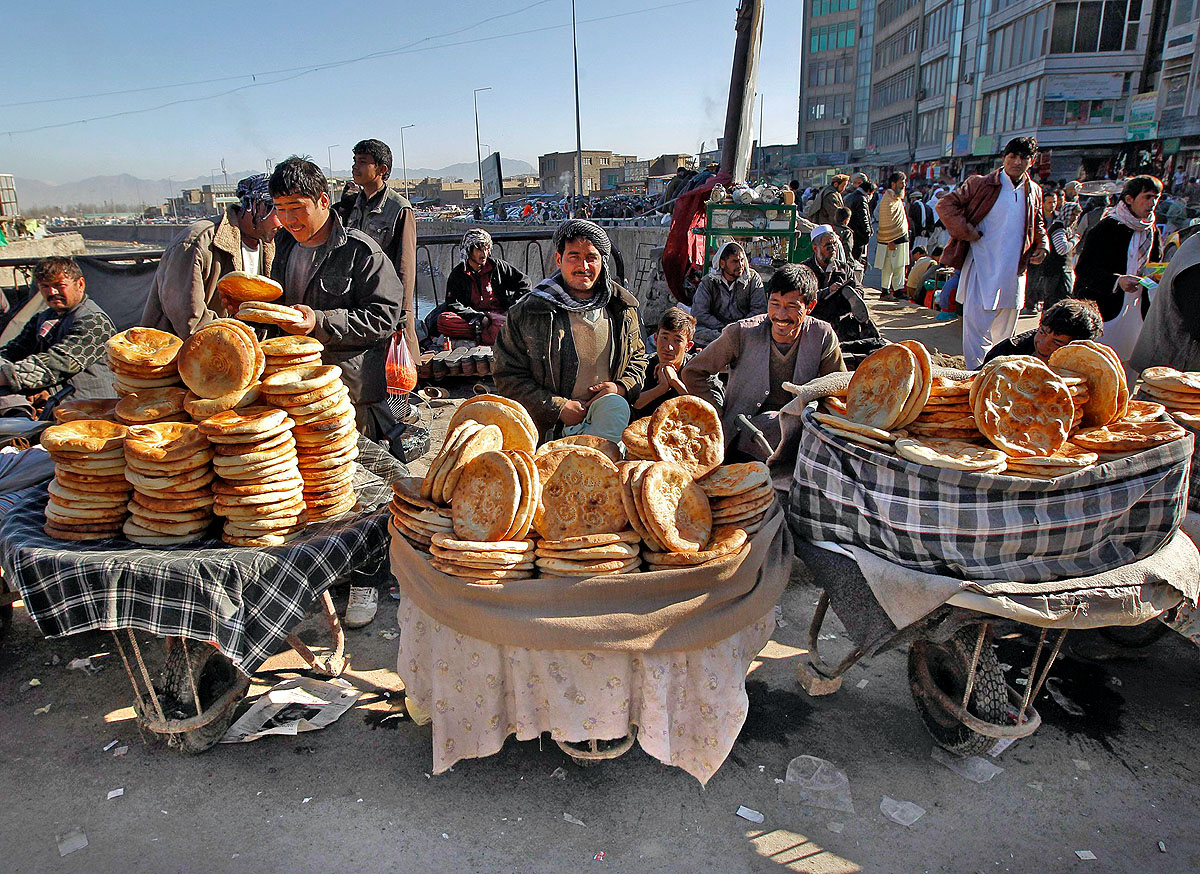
[(590, 231), (723, 252), (475, 238), (253, 191), (554, 290)]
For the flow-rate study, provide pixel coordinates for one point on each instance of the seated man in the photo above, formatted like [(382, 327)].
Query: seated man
[(184, 295), (479, 291), (839, 297), (732, 290), (914, 286), (1062, 323), (61, 345), (672, 343), (571, 350), (762, 353), (343, 283)]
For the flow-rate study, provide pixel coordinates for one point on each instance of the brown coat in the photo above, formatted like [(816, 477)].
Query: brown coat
[(965, 207), (184, 295)]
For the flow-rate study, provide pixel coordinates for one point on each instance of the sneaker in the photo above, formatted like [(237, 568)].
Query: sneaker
[(364, 601), (886, 295)]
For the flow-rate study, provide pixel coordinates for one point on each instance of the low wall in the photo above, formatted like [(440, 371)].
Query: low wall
[(57, 244)]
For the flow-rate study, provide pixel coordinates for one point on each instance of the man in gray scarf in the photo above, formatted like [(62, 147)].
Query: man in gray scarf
[(571, 351)]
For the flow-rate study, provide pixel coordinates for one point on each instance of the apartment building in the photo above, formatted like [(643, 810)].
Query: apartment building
[(556, 170)]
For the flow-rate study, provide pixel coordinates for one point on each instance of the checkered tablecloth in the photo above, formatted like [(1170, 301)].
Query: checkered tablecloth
[(245, 601)]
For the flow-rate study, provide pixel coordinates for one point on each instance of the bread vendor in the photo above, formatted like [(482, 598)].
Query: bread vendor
[(62, 344), (343, 283), (762, 353), (1064, 322)]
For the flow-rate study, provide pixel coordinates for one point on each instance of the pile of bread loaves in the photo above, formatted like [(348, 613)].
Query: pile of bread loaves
[(1016, 416), (492, 508)]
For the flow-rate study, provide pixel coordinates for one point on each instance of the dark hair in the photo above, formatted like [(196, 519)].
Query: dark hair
[(794, 185), (794, 277), (1026, 147), (896, 177), (842, 215), (1138, 184), (937, 252), (867, 185), (54, 267), (920, 249), (379, 152), (298, 177), (675, 319), (1077, 319)]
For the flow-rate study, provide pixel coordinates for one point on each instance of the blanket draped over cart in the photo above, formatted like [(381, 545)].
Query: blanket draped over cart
[(667, 652)]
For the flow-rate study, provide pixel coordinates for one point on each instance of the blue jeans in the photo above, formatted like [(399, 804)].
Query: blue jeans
[(607, 417)]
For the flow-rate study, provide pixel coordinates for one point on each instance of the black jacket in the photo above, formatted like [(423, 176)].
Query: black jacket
[(358, 301), (508, 284), (838, 287), (1102, 258), (860, 217)]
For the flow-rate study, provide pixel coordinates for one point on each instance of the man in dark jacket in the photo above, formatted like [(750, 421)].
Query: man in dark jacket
[(858, 202), (479, 291), (571, 351), (387, 217), (840, 299), (341, 280), (63, 344)]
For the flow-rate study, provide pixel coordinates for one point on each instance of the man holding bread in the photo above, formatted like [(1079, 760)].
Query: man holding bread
[(343, 284)]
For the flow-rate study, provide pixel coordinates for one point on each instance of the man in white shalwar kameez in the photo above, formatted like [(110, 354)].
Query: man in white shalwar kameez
[(997, 219)]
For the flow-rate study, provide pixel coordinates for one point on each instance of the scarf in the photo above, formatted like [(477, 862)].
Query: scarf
[(1144, 227), (253, 191), (475, 238), (553, 290)]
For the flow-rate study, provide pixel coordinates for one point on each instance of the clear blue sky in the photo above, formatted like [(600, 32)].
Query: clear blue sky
[(650, 83)]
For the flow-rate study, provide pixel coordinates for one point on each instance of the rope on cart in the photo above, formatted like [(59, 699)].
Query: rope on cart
[(137, 653)]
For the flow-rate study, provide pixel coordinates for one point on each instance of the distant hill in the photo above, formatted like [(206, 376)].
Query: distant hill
[(125, 188)]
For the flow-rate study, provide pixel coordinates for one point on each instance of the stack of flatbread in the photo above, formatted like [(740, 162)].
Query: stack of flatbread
[(588, 441), (417, 518), (259, 491), (465, 441), (72, 410), (149, 405), (241, 286), (482, 562), (637, 444), (1122, 438), (855, 432), (739, 495), (1070, 459), (1105, 392), (221, 361), (516, 425), (1022, 406), (665, 506), (142, 358), (580, 494), (687, 431), (89, 491), (199, 408), (264, 313), (726, 542), (170, 467), (1176, 391), (326, 436), (891, 386), (291, 351), (588, 555), (496, 496), (952, 454)]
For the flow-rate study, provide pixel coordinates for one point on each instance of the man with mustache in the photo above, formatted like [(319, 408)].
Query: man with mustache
[(61, 344), (762, 353), (571, 350)]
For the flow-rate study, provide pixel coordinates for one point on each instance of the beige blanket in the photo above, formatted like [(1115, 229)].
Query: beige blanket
[(653, 611)]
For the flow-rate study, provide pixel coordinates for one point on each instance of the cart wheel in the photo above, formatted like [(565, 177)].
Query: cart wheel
[(587, 753), (949, 664), (1135, 636), (215, 676)]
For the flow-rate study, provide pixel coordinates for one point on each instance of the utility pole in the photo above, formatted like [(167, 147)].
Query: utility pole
[(403, 157), (760, 135), (478, 156), (329, 158), (578, 128), (739, 114)]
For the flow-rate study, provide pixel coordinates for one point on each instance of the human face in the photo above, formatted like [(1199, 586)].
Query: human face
[(303, 217), (1045, 343), (898, 188), (733, 265), (1144, 204), (671, 346), (60, 293), (1016, 166), (478, 256), (580, 263), (787, 312), (824, 248), (1049, 204), (367, 173), (264, 220)]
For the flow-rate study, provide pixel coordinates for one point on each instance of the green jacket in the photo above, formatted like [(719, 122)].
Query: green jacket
[(535, 359)]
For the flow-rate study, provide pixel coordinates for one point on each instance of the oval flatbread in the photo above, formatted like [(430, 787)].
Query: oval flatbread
[(601, 444), (636, 442), (84, 436), (880, 387), (144, 346), (950, 454), (922, 385), (486, 498), (582, 496), (1127, 436), (99, 408), (242, 286), (1103, 403), (724, 541), (1023, 407), (734, 479), (676, 509), (509, 416), (687, 431)]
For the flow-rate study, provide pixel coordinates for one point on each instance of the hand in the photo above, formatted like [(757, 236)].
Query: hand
[(231, 305), (604, 388), (973, 234), (305, 327), (572, 413), (891, 247), (1129, 284), (1038, 256), (665, 373)]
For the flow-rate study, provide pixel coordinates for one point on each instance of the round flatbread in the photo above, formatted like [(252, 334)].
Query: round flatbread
[(635, 439), (292, 345), (601, 444), (725, 540), (610, 552), (949, 454), (922, 385), (451, 543), (217, 360), (1102, 377), (687, 430), (201, 408), (1172, 380), (144, 346), (242, 286), (511, 418), (588, 541), (531, 489), (157, 468), (99, 408), (84, 436), (880, 387), (855, 437), (675, 508), (483, 439), (734, 479), (250, 422), (165, 441), (1144, 411), (486, 498), (562, 566), (841, 423), (1023, 407), (582, 496), (1127, 436), (627, 472), (167, 505), (150, 405), (269, 314), (297, 380)]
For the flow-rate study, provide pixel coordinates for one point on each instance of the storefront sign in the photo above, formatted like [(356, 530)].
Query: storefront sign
[(986, 145), (1084, 86), (962, 145)]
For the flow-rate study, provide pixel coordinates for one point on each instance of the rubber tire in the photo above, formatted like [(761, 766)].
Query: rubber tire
[(215, 674), (949, 665), (1135, 636)]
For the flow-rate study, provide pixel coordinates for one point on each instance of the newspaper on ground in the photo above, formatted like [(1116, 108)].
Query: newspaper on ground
[(293, 706)]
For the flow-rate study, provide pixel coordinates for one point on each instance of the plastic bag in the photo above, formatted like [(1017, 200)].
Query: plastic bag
[(401, 371)]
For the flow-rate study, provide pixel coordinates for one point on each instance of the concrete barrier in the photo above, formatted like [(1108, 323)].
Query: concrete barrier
[(56, 244)]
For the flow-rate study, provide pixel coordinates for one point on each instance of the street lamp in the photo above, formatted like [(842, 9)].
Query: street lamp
[(403, 159), (578, 130), (329, 159), (478, 155)]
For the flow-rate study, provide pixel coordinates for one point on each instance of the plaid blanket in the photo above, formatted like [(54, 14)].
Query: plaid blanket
[(244, 601), (985, 527)]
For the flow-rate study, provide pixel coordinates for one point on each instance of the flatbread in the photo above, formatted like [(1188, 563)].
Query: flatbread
[(217, 360), (488, 437), (945, 387), (84, 436), (635, 486), (291, 344), (1103, 403), (582, 496), (1127, 436), (242, 286), (880, 387), (853, 437), (450, 447), (495, 557), (734, 479), (601, 444), (73, 410), (144, 346), (676, 509), (165, 441), (447, 542), (841, 423), (589, 541), (531, 489), (156, 468), (1143, 411), (922, 385), (725, 540), (570, 568), (635, 439), (750, 497), (486, 497), (608, 552), (513, 421), (626, 472), (687, 430), (1023, 407), (949, 454)]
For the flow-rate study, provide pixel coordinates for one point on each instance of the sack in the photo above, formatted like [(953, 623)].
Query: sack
[(401, 372)]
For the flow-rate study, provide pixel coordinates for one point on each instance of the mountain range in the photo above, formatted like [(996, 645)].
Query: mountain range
[(33, 194)]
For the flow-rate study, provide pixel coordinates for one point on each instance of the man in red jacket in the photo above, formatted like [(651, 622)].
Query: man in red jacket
[(996, 229)]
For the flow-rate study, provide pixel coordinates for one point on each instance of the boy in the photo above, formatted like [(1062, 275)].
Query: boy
[(673, 341)]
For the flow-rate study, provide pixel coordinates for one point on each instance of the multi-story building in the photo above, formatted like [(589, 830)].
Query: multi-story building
[(1178, 88), (557, 170), (830, 117)]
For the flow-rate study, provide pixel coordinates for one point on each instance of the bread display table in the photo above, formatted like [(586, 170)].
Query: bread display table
[(665, 651)]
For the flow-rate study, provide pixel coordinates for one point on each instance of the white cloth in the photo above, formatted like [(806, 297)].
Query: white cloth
[(1122, 331), (251, 259), (891, 264), (983, 329)]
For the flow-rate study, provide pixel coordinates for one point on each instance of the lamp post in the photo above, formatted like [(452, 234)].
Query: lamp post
[(578, 131), (403, 158), (478, 154), (329, 159)]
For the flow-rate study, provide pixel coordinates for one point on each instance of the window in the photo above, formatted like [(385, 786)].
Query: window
[(893, 90), (833, 72), (587, 161), (1094, 26), (896, 46), (934, 77), (937, 27), (931, 127), (893, 131), (890, 10), (826, 141), (1060, 113), (827, 7), (828, 106), (832, 36), (1011, 109), (1182, 13)]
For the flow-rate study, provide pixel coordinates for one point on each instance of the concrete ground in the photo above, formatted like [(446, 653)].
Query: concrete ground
[(1115, 779)]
